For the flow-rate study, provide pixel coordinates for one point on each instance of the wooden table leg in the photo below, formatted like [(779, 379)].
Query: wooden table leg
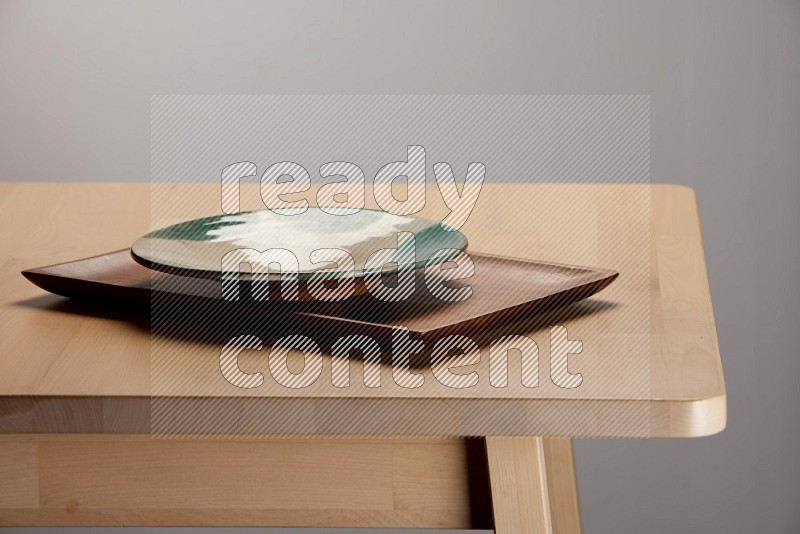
[(533, 486), (134, 480)]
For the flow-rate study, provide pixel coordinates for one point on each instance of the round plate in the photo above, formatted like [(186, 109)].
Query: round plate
[(196, 248)]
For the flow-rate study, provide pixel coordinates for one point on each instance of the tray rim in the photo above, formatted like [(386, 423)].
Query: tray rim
[(594, 281)]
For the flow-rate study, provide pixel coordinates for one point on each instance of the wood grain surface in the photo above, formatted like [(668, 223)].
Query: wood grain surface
[(124, 480), (650, 360)]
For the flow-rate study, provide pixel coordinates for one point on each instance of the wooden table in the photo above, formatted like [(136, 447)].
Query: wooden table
[(76, 386)]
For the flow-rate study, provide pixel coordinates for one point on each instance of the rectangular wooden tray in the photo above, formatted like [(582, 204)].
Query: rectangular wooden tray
[(503, 289)]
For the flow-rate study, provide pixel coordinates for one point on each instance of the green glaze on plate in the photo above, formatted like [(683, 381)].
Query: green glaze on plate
[(196, 248)]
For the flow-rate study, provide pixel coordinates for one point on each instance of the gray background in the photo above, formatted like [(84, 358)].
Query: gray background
[(724, 80)]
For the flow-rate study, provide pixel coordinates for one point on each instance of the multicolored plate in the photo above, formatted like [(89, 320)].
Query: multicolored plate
[(196, 248)]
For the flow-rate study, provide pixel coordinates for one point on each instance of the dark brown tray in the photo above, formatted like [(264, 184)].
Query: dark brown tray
[(503, 289)]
